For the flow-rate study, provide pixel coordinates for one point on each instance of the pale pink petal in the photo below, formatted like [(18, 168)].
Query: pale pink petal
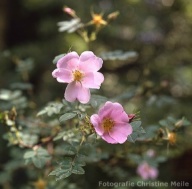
[(106, 110), (69, 61), (92, 80), (141, 171), (108, 139), (95, 120), (124, 128), (62, 75), (120, 132), (89, 62), (153, 173), (98, 78), (71, 92), (119, 115), (75, 91), (88, 80), (83, 94)]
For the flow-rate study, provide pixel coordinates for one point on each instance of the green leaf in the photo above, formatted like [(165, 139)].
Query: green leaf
[(42, 152), (119, 55), (78, 170), (141, 130), (136, 158), (42, 112), (161, 159), (66, 163), (80, 161), (59, 135), (163, 122), (29, 154), (39, 162), (55, 60), (132, 137), (69, 149), (97, 100), (136, 125), (65, 175), (67, 116)]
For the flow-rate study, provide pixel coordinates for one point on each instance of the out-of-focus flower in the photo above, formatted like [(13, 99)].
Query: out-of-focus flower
[(150, 153), (69, 11), (40, 184), (146, 171), (81, 72), (70, 26), (97, 20), (112, 123)]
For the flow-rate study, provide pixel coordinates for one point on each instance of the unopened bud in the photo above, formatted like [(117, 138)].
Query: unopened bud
[(179, 123), (69, 11), (113, 15), (131, 117)]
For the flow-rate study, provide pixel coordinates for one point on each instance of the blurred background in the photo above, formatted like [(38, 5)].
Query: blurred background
[(159, 31)]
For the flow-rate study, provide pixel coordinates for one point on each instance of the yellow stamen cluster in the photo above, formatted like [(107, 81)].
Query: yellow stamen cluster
[(77, 75), (98, 20), (108, 124)]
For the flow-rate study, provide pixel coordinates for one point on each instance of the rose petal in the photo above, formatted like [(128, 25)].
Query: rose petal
[(88, 80), (89, 62), (92, 80), (71, 92), (153, 172), (106, 110), (95, 120), (62, 75), (83, 94), (120, 132), (108, 138), (75, 91), (69, 61), (119, 115), (98, 78)]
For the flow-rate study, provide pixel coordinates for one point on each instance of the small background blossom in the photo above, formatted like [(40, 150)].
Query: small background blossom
[(146, 171)]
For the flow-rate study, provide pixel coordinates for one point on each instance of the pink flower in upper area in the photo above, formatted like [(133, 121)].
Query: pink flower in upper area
[(112, 123), (81, 72), (146, 171)]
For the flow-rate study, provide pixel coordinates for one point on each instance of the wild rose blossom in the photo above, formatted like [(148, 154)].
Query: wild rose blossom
[(112, 123), (146, 171), (81, 72)]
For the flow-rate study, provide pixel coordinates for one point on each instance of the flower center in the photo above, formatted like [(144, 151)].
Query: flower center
[(108, 124), (98, 20), (77, 75)]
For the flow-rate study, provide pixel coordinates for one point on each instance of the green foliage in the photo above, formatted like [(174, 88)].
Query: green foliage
[(57, 58), (38, 157), (120, 55), (137, 131), (72, 163), (67, 116), (150, 72)]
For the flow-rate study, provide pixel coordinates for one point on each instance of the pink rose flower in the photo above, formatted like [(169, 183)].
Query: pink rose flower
[(81, 72), (112, 123), (146, 171)]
